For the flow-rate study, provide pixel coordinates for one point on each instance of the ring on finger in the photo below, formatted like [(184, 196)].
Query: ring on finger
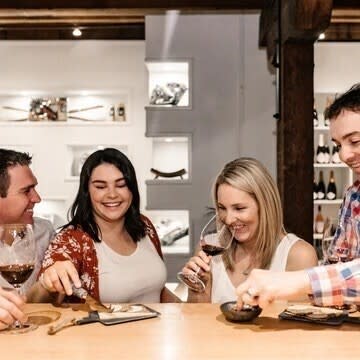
[(251, 292)]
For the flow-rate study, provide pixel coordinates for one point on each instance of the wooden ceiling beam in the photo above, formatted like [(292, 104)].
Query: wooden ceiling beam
[(342, 32), (145, 5)]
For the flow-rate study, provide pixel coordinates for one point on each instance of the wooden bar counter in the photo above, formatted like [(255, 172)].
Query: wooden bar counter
[(185, 331)]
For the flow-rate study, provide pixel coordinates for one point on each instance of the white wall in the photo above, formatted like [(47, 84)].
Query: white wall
[(258, 127), (68, 68), (336, 66)]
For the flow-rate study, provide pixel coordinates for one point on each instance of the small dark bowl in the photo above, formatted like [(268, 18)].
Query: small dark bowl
[(243, 315)]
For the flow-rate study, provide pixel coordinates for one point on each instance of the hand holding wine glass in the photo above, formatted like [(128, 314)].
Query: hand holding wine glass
[(215, 238), (17, 256)]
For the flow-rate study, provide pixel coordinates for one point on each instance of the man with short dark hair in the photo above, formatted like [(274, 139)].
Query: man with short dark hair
[(18, 197), (327, 285)]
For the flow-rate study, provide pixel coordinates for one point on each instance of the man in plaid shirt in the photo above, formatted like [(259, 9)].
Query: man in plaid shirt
[(326, 285)]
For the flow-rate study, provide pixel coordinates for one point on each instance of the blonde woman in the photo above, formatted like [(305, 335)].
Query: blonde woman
[(247, 200)]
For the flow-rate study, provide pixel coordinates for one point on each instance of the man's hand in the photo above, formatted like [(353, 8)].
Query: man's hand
[(262, 287), (11, 308)]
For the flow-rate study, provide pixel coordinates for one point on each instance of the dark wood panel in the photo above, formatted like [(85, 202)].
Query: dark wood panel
[(295, 146), (132, 4), (106, 32), (343, 32), (346, 4)]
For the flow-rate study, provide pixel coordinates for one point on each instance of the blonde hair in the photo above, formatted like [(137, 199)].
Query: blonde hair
[(251, 176)]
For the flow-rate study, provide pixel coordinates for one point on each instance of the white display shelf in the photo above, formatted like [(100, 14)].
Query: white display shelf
[(79, 153), (72, 123), (170, 154), (168, 224), (79, 107), (53, 209), (330, 165), (164, 71)]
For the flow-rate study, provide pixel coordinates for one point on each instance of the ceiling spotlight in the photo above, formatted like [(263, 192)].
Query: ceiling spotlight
[(77, 32), (322, 36)]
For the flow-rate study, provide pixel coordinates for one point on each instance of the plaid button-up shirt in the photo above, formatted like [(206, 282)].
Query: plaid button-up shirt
[(347, 238), (336, 284)]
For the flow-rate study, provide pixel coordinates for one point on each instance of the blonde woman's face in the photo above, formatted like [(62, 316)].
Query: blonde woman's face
[(238, 210)]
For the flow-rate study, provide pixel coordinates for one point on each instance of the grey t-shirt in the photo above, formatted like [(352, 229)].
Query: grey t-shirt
[(44, 232)]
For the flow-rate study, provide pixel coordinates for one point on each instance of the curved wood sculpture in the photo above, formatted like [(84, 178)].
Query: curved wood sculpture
[(158, 173)]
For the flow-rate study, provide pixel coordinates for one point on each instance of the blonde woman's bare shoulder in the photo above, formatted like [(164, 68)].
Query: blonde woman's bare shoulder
[(302, 255)]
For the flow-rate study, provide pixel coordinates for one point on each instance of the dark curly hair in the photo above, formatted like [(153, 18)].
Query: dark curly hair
[(81, 212), (350, 100)]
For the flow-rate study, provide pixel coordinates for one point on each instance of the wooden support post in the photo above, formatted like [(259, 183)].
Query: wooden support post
[(298, 23)]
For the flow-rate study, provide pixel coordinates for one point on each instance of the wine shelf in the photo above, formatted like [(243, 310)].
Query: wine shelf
[(328, 202), (343, 175), (317, 236), (330, 165)]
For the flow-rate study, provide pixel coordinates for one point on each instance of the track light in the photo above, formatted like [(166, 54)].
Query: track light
[(77, 32)]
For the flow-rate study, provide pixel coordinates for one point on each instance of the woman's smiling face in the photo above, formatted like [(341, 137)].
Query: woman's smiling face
[(109, 194), (239, 211)]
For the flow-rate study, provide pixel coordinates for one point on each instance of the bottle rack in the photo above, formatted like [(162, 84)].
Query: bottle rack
[(343, 175)]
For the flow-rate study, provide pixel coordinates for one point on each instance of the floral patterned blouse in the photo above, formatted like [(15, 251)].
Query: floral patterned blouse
[(76, 245)]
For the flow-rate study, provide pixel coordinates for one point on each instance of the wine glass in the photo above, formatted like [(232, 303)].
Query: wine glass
[(347, 234), (17, 258), (215, 238)]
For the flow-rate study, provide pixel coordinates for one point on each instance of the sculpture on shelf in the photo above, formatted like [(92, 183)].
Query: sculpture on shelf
[(53, 109), (158, 173), (170, 94), (170, 230)]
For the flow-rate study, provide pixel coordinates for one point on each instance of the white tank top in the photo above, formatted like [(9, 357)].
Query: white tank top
[(222, 288), (137, 278)]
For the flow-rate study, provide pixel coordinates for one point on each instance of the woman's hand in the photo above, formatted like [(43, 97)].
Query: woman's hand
[(200, 265), (11, 308), (60, 277)]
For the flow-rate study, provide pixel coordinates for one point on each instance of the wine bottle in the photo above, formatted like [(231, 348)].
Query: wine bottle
[(328, 103), (315, 116), (326, 154), (315, 191), (335, 157), (331, 189), (322, 152), (321, 187), (120, 113), (319, 221)]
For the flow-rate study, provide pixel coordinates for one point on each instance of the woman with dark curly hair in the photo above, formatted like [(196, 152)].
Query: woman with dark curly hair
[(108, 247)]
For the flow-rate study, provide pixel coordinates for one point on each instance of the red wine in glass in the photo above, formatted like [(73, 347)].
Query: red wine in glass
[(212, 250), (215, 238), (16, 274), (17, 260)]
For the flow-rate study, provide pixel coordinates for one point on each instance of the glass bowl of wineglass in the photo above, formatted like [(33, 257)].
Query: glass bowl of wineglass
[(341, 240), (17, 258), (215, 238)]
